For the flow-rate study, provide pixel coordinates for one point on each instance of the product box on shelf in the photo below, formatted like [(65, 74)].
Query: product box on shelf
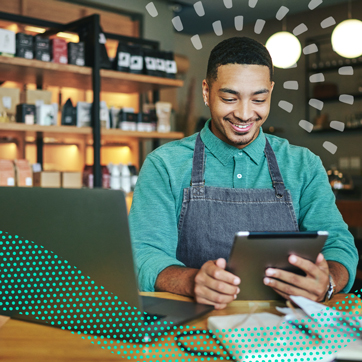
[(86, 36), (72, 180), (76, 53), (114, 114), (69, 116), (42, 48), (88, 177), (128, 119), (25, 113), (7, 173), (47, 179), (144, 122), (7, 43), (150, 58), (163, 110), (9, 99), (59, 50), (104, 115), (122, 60), (84, 114), (24, 173), (47, 114), (136, 59), (24, 46), (171, 66), (36, 96)]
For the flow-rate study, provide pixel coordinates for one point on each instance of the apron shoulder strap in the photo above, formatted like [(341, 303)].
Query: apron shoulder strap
[(274, 171), (198, 163)]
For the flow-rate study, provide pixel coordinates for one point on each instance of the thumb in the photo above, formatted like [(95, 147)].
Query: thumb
[(221, 263), (321, 262)]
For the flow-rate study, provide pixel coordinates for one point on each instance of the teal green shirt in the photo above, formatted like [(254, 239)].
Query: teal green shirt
[(166, 172)]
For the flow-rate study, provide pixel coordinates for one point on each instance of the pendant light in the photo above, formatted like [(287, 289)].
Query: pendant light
[(346, 37), (284, 48)]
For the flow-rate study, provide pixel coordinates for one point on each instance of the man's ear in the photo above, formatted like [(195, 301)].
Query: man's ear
[(272, 87), (205, 91)]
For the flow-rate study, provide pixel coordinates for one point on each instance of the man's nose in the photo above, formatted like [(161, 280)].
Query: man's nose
[(244, 111)]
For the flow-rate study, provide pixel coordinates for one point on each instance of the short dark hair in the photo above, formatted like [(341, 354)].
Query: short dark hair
[(238, 50)]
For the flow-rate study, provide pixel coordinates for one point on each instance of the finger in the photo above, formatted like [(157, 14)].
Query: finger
[(289, 289), (218, 285), (321, 262), (208, 302), (215, 272), (202, 291), (306, 265), (221, 263), (298, 281)]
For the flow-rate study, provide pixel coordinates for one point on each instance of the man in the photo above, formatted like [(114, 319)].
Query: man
[(192, 195)]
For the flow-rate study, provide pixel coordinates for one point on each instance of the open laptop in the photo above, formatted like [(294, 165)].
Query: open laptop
[(66, 260)]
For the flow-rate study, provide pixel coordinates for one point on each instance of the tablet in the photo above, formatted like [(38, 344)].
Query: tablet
[(254, 252)]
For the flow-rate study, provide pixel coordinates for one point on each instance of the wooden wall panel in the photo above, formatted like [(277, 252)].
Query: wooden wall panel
[(64, 12)]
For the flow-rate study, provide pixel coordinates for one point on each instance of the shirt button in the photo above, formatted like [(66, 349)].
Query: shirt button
[(239, 175), (241, 153)]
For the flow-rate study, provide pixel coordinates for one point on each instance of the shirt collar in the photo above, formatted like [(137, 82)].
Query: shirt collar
[(225, 152)]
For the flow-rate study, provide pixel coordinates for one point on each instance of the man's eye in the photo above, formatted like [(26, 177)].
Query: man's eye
[(227, 99), (259, 100)]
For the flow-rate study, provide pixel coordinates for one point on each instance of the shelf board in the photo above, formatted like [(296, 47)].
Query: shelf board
[(336, 98), (66, 75), (333, 68), (331, 130), (72, 130)]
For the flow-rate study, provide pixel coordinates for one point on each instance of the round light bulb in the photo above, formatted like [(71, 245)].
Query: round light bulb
[(284, 48), (346, 38)]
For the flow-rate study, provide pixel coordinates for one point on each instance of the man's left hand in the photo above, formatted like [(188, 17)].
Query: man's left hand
[(313, 286)]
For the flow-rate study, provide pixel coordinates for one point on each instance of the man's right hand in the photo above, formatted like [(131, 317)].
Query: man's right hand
[(214, 285)]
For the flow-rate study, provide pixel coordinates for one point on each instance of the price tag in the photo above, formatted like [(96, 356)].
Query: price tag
[(11, 181)]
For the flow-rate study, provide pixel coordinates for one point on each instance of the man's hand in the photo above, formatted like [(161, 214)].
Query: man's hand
[(214, 285), (313, 286)]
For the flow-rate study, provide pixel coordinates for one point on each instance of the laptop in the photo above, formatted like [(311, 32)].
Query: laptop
[(253, 252), (66, 259)]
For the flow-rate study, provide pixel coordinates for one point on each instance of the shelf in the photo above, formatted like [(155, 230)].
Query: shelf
[(334, 67), (72, 130), (336, 99), (66, 75), (331, 130)]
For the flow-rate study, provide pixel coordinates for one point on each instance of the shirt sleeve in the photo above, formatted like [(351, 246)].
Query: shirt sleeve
[(318, 211), (153, 223)]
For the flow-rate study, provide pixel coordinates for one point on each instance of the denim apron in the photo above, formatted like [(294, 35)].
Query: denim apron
[(210, 216)]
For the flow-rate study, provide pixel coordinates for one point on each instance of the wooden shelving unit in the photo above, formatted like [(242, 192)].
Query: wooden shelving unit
[(66, 75), (46, 130), (44, 74)]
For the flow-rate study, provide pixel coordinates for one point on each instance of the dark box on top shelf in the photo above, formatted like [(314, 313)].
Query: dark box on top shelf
[(59, 50), (171, 67), (24, 46), (25, 113), (122, 60), (136, 59), (76, 53), (42, 48), (150, 57)]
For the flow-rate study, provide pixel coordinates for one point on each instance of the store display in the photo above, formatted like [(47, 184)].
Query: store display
[(47, 114), (9, 99), (86, 36), (69, 117), (136, 59), (163, 110), (150, 57), (71, 180), (7, 173), (104, 115), (144, 123), (171, 66), (7, 43), (42, 48), (23, 172), (122, 60), (24, 46), (59, 50), (46, 179), (128, 119), (84, 114), (25, 113), (114, 114), (76, 53)]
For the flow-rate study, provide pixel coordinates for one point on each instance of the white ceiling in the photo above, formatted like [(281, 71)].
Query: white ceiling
[(217, 10)]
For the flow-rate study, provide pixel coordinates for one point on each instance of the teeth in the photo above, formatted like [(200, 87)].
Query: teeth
[(236, 125)]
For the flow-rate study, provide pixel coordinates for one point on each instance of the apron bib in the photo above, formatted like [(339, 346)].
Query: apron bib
[(210, 216)]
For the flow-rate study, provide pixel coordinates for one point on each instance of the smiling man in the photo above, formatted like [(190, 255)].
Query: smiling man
[(192, 195)]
